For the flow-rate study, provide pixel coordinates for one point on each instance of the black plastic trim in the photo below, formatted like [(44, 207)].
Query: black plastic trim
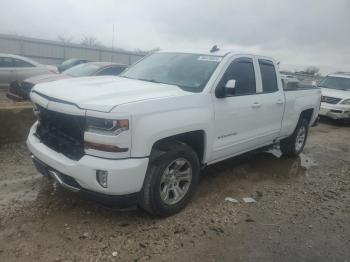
[(120, 201)]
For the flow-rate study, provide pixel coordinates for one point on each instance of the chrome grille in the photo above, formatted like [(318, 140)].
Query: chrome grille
[(330, 100)]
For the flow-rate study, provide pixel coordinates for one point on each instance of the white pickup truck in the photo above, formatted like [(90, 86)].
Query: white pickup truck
[(143, 137)]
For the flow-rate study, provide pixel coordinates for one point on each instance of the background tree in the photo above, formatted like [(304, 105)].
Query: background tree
[(312, 70), (90, 41)]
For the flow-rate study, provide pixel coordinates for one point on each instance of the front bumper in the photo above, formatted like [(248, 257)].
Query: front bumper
[(125, 176), (14, 97), (335, 111)]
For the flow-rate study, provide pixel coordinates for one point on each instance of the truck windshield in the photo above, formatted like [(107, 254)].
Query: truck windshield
[(332, 82), (190, 72)]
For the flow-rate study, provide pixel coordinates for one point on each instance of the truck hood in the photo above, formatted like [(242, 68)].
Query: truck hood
[(104, 93), (342, 94)]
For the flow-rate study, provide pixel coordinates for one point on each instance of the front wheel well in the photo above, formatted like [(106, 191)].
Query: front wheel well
[(194, 139)]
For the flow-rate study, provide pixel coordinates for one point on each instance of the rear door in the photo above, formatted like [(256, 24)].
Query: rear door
[(236, 125), (7, 74), (272, 101)]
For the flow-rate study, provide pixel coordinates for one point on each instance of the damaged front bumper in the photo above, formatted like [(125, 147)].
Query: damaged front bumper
[(67, 182), (19, 91), (125, 176)]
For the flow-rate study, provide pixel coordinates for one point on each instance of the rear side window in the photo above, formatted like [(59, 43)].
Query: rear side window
[(6, 62), (22, 63), (268, 76), (111, 71), (241, 70)]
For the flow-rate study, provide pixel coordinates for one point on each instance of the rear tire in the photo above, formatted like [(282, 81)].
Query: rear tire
[(294, 144), (163, 192)]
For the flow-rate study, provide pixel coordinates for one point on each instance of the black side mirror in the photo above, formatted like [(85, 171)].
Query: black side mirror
[(227, 89)]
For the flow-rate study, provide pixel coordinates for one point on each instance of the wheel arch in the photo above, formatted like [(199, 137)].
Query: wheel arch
[(307, 114), (196, 139)]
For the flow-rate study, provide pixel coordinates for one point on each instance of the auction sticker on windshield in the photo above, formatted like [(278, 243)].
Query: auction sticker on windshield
[(210, 58)]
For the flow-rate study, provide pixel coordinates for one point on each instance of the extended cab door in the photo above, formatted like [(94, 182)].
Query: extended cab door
[(272, 100), (236, 120)]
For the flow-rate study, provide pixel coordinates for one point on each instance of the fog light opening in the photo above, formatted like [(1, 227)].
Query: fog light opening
[(102, 178)]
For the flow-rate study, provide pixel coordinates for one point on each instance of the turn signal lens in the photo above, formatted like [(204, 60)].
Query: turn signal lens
[(123, 123)]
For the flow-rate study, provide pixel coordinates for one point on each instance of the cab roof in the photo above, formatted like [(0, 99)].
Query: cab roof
[(220, 52)]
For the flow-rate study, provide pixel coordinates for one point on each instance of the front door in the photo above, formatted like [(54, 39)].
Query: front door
[(236, 127)]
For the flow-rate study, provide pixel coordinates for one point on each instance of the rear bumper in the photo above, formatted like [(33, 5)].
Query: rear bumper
[(335, 111), (125, 176)]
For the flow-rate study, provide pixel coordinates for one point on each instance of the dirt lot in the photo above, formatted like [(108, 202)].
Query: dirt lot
[(3, 98), (302, 212)]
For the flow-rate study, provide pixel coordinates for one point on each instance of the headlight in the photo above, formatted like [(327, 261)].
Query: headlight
[(107, 136), (346, 102), (106, 126)]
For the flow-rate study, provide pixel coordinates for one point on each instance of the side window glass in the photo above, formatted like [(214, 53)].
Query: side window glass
[(268, 76), (6, 62), (22, 63), (111, 71), (241, 70)]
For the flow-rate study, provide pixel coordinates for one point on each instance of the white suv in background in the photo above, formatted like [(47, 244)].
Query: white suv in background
[(336, 96)]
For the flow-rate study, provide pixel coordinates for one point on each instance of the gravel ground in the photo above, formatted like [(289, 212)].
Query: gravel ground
[(3, 98), (302, 212)]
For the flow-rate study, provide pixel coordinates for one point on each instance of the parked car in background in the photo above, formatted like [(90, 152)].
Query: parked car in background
[(70, 63), (18, 68), (20, 91), (289, 82), (143, 137), (336, 96)]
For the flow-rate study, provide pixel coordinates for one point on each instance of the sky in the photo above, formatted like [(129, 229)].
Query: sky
[(296, 33)]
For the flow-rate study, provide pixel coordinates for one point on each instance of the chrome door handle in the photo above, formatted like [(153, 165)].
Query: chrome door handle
[(256, 105), (280, 102)]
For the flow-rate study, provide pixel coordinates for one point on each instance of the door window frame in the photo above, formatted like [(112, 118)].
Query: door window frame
[(226, 67), (18, 59), (268, 61)]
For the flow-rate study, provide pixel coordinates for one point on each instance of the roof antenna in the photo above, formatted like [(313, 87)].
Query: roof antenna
[(214, 49)]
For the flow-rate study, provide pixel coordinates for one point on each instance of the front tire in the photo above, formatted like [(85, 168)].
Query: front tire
[(294, 144), (170, 180)]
